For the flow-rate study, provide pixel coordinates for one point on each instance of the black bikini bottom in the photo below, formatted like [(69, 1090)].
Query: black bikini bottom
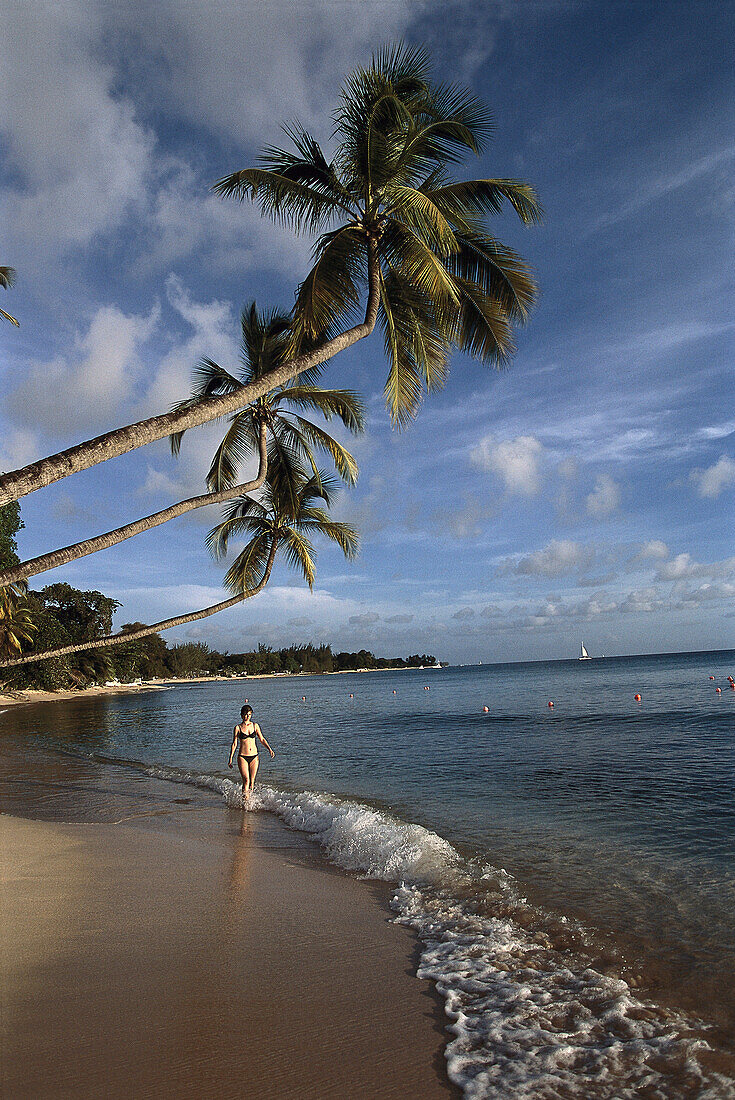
[(242, 756)]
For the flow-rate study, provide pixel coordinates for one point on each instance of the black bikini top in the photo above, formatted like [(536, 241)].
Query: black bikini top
[(242, 735)]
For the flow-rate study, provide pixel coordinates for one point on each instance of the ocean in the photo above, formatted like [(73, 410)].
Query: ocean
[(569, 870)]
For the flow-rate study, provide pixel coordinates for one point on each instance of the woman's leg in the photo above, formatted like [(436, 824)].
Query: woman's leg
[(245, 773), (253, 771)]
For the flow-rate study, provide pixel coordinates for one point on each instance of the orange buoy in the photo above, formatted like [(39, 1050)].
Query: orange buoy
[(303, 698), (394, 691), (718, 691), (486, 710), (732, 686), (637, 698), (351, 696), (550, 703), (711, 677)]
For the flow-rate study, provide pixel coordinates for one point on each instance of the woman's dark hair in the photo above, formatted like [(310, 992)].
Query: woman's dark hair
[(245, 710)]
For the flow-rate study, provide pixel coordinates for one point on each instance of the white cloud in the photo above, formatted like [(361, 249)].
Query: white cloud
[(604, 498), (464, 613), (560, 558), (399, 619), (18, 447), (715, 479), (214, 333), (242, 72), (664, 185), (515, 461), (87, 388), (683, 567), (367, 618), (655, 549), (80, 154)]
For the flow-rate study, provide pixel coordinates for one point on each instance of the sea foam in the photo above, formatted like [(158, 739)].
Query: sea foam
[(528, 1018)]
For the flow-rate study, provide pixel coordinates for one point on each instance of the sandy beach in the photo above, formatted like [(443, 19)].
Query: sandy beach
[(196, 951)]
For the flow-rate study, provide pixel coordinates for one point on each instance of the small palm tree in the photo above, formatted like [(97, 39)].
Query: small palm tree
[(264, 428), (266, 340), (277, 524), (285, 518), (7, 278), (16, 621)]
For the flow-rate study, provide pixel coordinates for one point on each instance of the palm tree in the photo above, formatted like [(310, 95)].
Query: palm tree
[(266, 339), (276, 523), (7, 278), (263, 428), (16, 621), (285, 518), (395, 224)]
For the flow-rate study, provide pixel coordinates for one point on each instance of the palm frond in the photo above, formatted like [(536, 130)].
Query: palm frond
[(417, 343), (239, 443), (320, 486), (210, 380), (330, 293), (417, 210), (487, 197), (344, 404), (7, 277), (248, 567), (299, 554), (343, 534), (415, 261), (241, 516), (483, 329), (403, 386), (317, 437), (281, 198), (265, 339), (498, 271)]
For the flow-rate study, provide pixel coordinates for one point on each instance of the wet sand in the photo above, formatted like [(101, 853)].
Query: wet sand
[(202, 952)]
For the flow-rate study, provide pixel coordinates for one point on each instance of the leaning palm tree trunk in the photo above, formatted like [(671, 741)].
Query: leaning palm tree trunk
[(101, 542), (156, 628), (18, 483)]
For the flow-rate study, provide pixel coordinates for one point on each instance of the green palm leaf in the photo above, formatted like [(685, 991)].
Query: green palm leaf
[(498, 271), (417, 211), (344, 404), (487, 197), (330, 293), (344, 462), (299, 554), (284, 199), (483, 329), (249, 565)]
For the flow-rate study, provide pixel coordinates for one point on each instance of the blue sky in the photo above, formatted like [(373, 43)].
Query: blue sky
[(585, 494)]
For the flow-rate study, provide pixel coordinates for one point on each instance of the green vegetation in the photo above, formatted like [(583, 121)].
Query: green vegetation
[(7, 278), (402, 244), (64, 615)]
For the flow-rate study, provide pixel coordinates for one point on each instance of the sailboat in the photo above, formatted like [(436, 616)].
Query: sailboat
[(583, 655)]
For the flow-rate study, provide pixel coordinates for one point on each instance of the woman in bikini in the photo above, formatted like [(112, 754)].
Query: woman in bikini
[(247, 734)]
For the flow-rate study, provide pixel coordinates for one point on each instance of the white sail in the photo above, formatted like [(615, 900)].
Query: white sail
[(584, 655)]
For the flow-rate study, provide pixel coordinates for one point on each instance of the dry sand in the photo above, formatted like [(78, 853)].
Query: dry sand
[(203, 953)]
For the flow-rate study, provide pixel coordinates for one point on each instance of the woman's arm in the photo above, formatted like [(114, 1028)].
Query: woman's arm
[(233, 749), (259, 734)]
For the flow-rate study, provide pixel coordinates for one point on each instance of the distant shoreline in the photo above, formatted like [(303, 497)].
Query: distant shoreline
[(37, 695)]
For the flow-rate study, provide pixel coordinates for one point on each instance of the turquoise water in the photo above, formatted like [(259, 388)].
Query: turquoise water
[(604, 828)]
